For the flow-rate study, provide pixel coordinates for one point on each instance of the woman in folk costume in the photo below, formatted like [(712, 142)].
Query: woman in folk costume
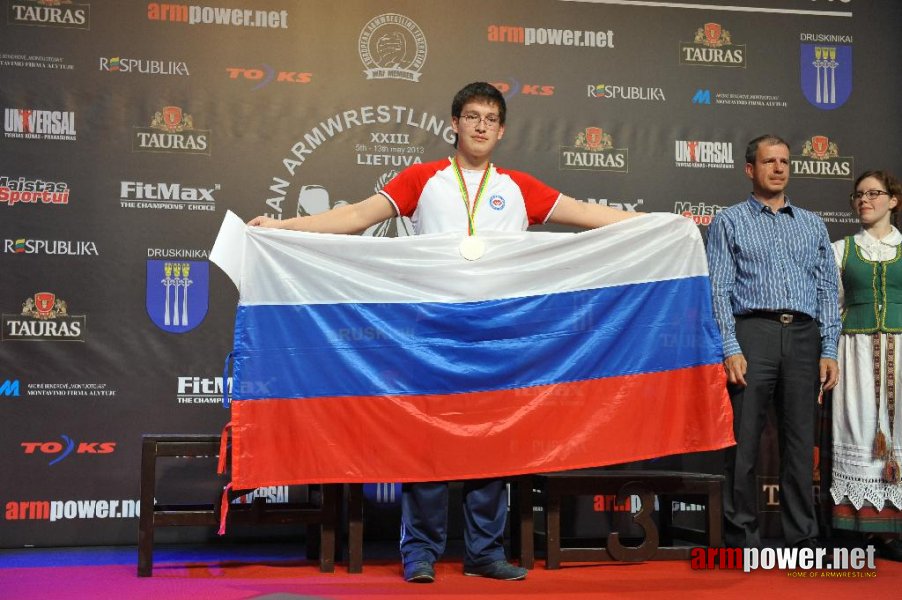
[(867, 426)]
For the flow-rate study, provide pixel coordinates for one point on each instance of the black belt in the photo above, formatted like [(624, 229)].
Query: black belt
[(786, 317)]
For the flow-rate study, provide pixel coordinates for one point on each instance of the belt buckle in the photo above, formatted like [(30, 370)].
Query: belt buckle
[(786, 318)]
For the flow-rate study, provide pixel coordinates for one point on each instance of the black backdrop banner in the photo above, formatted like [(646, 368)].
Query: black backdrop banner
[(129, 128)]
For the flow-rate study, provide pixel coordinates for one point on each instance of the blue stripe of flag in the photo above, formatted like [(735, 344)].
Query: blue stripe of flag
[(305, 351)]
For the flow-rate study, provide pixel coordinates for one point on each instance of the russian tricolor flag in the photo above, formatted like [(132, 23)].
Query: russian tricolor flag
[(360, 359)]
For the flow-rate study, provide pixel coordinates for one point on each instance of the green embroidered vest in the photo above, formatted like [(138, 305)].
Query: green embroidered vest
[(873, 292)]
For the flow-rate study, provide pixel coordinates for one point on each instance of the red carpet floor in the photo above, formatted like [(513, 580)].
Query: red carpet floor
[(217, 579)]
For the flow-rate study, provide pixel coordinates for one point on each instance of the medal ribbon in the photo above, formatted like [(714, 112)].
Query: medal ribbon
[(465, 195)]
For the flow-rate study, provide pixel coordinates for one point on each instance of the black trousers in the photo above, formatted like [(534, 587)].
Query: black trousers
[(783, 367)]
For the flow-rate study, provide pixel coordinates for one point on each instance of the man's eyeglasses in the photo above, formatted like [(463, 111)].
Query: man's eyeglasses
[(871, 194), (472, 120)]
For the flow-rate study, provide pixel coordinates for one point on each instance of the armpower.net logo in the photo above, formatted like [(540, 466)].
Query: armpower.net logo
[(798, 562)]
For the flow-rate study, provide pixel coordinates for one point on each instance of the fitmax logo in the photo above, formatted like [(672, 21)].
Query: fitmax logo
[(10, 388)]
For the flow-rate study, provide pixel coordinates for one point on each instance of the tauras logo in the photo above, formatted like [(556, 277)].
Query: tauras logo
[(50, 13), (820, 159), (171, 130), (594, 150), (44, 317), (712, 46), (50, 247)]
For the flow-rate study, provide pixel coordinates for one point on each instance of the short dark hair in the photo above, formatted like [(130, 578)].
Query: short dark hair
[(482, 91), (888, 180), (751, 151), (479, 90)]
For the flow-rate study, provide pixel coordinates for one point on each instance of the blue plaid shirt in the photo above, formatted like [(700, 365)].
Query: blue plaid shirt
[(761, 260)]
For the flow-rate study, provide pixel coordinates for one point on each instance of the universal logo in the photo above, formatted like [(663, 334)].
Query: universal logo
[(171, 130), (699, 155), (31, 124), (392, 46)]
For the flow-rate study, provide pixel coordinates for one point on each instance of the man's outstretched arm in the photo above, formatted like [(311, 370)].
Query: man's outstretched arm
[(349, 218)]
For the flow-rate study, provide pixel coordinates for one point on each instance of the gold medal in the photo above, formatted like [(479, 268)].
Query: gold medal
[(472, 248)]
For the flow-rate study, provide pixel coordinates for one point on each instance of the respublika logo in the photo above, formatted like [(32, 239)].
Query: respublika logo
[(49, 247), (265, 74), (44, 318), (392, 46), (820, 159), (703, 155), (826, 69), (177, 293), (33, 124), (32, 191), (58, 451), (9, 387), (143, 66), (712, 47), (171, 130), (593, 150), (608, 91), (49, 13), (167, 196)]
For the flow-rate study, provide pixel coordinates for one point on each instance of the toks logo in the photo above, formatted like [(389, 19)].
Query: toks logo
[(512, 87), (820, 159), (61, 450), (593, 150), (171, 130), (712, 47), (266, 75)]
